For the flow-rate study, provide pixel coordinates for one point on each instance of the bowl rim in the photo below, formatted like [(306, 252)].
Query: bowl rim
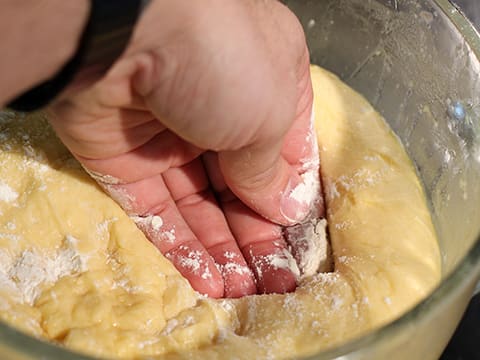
[(467, 268)]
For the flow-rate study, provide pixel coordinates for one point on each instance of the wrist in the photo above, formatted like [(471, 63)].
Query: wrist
[(40, 37), (103, 40)]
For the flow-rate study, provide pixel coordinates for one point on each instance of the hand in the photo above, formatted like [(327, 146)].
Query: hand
[(204, 123)]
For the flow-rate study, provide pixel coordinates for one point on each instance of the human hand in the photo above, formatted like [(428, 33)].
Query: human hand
[(202, 125)]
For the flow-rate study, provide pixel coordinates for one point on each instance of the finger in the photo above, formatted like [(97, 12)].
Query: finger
[(114, 89), (308, 167), (263, 247), (271, 177), (158, 217), (83, 130), (266, 182), (260, 241), (189, 188), (300, 146), (162, 152)]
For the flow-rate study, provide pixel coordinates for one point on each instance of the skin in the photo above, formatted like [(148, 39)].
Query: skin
[(36, 41), (204, 121)]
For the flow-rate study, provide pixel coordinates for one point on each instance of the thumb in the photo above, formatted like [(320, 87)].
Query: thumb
[(266, 182)]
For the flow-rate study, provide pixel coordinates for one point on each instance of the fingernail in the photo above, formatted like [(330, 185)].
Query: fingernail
[(295, 202)]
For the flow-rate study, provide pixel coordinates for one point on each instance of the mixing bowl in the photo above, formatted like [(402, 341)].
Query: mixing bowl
[(417, 62)]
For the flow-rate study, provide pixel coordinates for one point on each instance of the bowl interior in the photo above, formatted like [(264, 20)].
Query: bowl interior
[(414, 65), (417, 62)]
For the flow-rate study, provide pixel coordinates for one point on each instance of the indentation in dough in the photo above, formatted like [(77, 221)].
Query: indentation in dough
[(309, 246)]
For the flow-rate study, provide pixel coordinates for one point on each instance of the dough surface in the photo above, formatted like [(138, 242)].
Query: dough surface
[(75, 269)]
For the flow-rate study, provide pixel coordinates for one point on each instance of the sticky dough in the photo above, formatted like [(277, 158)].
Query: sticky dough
[(76, 270)]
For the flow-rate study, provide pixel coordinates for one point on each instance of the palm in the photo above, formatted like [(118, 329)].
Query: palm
[(212, 238)]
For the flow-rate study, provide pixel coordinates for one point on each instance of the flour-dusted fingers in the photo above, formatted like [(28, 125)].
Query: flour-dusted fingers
[(300, 149), (190, 189), (263, 247), (260, 240), (150, 205)]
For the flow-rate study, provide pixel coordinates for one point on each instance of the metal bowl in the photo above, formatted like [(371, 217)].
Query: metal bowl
[(417, 62)]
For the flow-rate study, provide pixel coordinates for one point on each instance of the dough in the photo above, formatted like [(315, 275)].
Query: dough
[(76, 270), (308, 243)]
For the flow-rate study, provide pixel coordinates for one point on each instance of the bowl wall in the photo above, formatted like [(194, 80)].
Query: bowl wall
[(417, 63)]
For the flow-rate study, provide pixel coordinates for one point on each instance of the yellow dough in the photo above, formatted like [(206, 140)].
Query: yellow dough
[(75, 269)]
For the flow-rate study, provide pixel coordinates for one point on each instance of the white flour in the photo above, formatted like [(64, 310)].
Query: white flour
[(7, 194), (169, 236), (309, 245), (233, 268), (120, 195), (279, 260), (193, 262), (308, 191), (154, 227), (101, 178), (308, 241), (153, 221), (26, 274)]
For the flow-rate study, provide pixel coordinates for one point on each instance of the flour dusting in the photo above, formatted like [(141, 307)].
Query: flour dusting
[(309, 246), (308, 240), (155, 229), (233, 268), (309, 190), (191, 260), (7, 194), (25, 275), (153, 221), (279, 260)]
